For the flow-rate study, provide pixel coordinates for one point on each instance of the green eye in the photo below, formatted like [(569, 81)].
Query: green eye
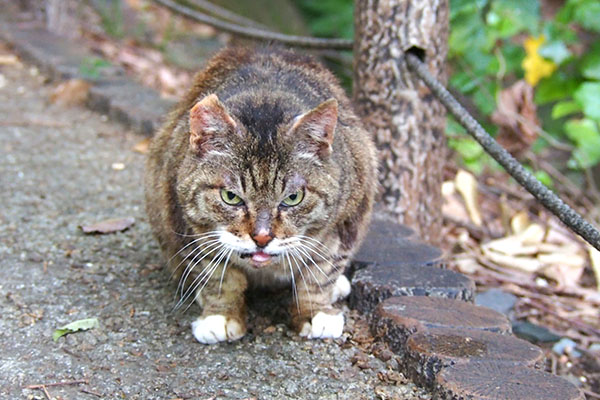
[(231, 198), (293, 199)]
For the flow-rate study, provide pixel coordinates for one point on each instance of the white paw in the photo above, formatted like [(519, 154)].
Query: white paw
[(323, 326), (341, 289), (216, 328)]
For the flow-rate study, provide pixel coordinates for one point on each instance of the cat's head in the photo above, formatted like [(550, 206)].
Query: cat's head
[(260, 181)]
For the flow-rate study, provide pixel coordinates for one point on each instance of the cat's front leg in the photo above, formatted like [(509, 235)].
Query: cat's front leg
[(313, 315), (223, 308)]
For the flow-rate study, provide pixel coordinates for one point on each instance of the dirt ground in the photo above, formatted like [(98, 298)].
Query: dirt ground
[(63, 167)]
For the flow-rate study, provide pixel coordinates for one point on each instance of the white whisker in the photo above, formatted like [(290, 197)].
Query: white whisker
[(192, 263), (296, 253), (206, 272), (224, 268), (293, 280)]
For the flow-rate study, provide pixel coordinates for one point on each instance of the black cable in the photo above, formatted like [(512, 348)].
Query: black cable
[(252, 33), (548, 199)]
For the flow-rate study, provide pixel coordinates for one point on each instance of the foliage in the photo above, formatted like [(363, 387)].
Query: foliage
[(91, 67), (495, 42), (329, 18)]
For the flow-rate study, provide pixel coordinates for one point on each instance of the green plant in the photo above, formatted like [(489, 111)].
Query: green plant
[(496, 42), (91, 68)]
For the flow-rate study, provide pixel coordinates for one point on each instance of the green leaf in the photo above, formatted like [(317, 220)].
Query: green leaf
[(556, 51), (556, 87), (584, 133), (544, 177), (79, 325), (564, 108), (590, 64), (587, 14), (588, 96), (509, 17)]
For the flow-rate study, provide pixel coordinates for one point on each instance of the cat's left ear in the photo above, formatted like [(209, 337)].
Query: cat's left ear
[(208, 120), (317, 127)]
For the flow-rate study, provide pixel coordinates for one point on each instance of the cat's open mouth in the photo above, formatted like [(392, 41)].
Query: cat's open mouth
[(259, 259)]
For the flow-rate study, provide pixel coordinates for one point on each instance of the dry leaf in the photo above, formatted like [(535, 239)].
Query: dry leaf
[(533, 234), (528, 264), (466, 184), (109, 225), (595, 261), (71, 92), (467, 265), (9, 59), (565, 275), (516, 116), (519, 222), (142, 146)]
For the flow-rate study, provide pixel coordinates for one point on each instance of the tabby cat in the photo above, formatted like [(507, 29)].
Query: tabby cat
[(261, 176)]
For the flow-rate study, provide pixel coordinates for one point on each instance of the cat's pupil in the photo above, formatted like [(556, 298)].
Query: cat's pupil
[(230, 196), (293, 196)]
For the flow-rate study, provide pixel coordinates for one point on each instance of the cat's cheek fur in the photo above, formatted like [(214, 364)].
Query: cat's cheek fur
[(217, 328), (323, 326)]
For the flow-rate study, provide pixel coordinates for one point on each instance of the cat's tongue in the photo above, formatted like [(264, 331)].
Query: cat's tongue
[(260, 258)]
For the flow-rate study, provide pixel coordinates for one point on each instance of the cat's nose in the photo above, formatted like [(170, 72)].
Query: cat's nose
[(262, 238)]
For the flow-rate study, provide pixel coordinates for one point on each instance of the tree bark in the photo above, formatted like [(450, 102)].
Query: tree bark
[(407, 121)]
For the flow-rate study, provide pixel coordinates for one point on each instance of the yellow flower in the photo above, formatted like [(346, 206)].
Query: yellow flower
[(533, 64)]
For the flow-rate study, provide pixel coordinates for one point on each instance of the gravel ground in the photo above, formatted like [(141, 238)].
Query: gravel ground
[(57, 172)]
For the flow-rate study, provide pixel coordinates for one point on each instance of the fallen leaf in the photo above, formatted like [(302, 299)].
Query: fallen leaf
[(466, 184), (79, 325), (516, 117), (8, 59), (528, 264), (71, 92), (595, 261), (142, 146), (519, 222), (109, 225), (533, 234)]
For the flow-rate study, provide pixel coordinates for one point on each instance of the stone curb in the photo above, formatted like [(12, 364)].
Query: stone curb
[(139, 108), (462, 351)]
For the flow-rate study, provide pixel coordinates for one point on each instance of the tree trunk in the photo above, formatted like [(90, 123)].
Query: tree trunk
[(406, 119)]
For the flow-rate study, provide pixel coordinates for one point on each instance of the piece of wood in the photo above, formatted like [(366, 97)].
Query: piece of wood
[(398, 109), (493, 380), (376, 283), (429, 351), (397, 318)]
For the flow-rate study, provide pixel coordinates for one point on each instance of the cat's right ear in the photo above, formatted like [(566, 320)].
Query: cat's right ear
[(208, 118)]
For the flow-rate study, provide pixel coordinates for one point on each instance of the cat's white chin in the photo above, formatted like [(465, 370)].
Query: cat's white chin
[(216, 328), (323, 326)]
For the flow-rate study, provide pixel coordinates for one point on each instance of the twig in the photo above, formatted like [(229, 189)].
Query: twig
[(590, 393), (40, 386), (90, 392), (225, 14), (46, 392), (478, 232), (252, 33), (581, 325)]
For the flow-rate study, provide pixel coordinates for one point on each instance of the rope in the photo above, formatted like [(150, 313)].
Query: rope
[(545, 196), (252, 33)]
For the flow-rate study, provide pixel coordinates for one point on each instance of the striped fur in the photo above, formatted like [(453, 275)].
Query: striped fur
[(262, 124)]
